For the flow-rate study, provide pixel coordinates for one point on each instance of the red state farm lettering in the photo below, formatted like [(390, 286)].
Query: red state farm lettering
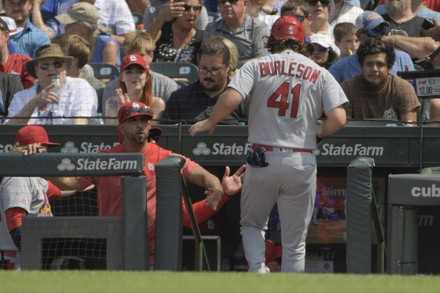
[(293, 69)]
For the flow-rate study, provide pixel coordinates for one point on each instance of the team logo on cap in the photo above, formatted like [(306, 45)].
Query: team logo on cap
[(133, 58), (290, 30)]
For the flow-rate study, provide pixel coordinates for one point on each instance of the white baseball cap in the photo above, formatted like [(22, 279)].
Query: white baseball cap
[(12, 26), (321, 40)]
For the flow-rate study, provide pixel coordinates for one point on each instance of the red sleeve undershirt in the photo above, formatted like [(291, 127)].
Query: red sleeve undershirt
[(201, 211), (14, 216), (53, 192)]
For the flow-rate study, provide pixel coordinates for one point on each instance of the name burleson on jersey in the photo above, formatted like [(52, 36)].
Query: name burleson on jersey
[(293, 69)]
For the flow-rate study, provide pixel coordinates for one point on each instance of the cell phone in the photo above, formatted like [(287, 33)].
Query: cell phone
[(434, 55), (427, 24)]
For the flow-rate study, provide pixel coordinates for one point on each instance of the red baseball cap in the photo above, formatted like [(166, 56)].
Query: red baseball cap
[(288, 27), (33, 134), (133, 109), (131, 59)]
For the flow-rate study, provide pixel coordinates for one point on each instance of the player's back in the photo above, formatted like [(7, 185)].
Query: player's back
[(286, 92)]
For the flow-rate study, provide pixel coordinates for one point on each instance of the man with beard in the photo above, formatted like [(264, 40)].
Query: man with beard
[(195, 102), (135, 120), (376, 93)]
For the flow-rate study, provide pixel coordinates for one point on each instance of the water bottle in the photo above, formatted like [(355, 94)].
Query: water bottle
[(53, 107)]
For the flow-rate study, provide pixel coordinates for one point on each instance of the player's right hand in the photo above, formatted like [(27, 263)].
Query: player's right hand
[(201, 126)]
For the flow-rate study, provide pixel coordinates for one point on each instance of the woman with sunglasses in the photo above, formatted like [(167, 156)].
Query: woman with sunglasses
[(322, 54), (135, 84), (178, 40)]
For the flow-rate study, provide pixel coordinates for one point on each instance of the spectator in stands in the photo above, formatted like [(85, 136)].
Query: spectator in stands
[(29, 38), (247, 33), (194, 102), (178, 40), (375, 93), (13, 63), (320, 12), (115, 18), (301, 10), (161, 11), (344, 11), (75, 101), (370, 25), (233, 57), (134, 85), (345, 38), (141, 43), (402, 19), (323, 54), (138, 6), (135, 122), (82, 20), (78, 48), (10, 84), (25, 196), (258, 9)]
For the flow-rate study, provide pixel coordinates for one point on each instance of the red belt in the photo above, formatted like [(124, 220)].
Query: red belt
[(271, 148)]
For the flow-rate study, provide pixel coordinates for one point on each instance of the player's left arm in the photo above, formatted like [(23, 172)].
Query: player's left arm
[(336, 120), (202, 177)]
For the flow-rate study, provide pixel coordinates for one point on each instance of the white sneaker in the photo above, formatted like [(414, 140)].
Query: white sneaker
[(263, 269)]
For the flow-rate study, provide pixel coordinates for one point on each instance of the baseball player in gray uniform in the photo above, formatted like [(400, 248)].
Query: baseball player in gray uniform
[(287, 94)]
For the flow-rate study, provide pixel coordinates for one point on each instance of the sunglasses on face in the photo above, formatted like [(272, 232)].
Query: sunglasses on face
[(300, 17), (212, 71), (314, 2), (232, 2), (188, 7), (135, 109), (47, 65), (382, 30)]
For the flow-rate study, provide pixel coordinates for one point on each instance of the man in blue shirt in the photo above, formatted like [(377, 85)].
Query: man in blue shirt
[(370, 26), (29, 38)]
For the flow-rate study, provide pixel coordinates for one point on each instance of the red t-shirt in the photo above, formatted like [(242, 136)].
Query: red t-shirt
[(110, 190), (15, 65)]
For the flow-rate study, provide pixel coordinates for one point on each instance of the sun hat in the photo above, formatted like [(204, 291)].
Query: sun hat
[(81, 11), (47, 51)]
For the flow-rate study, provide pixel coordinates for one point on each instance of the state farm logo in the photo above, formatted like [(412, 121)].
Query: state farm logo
[(430, 191), (201, 149), (97, 164), (85, 147), (220, 148)]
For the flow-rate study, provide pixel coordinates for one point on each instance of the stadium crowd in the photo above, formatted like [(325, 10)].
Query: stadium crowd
[(53, 54)]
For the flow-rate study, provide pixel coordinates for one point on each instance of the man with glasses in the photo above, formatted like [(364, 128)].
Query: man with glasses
[(194, 102), (320, 11), (135, 123), (370, 25), (247, 33), (76, 100), (299, 9)]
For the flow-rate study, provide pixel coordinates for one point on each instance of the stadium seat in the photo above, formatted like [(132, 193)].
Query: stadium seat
[(182, 73), (104, 71)]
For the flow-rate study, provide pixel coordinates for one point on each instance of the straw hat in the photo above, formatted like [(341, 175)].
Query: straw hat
[(47, 51)]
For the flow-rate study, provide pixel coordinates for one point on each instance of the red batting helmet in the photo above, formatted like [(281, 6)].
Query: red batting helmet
[(288, 27)]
